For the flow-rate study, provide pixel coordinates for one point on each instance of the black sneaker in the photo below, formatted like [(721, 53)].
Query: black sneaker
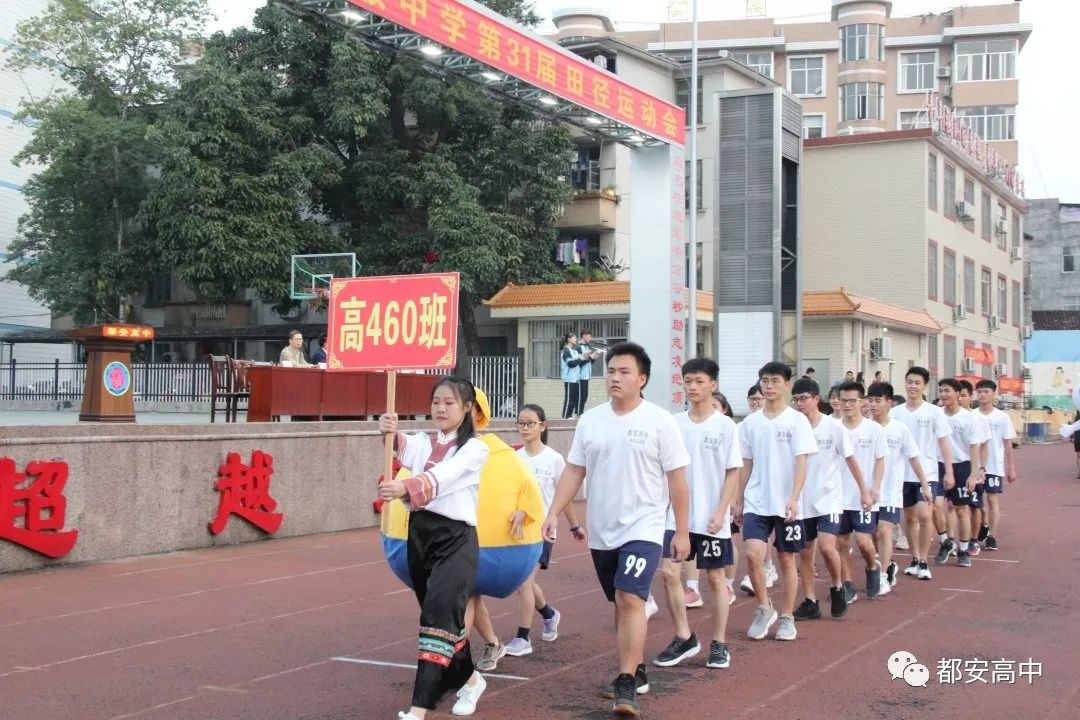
[(718, 655), (873, 583), (891, 572), (963, 559), (809, 610), (641, 683), (678, 650), (839, 602), (849, 592), (947, 550), (984, 532), (625, 696), (990, 543)]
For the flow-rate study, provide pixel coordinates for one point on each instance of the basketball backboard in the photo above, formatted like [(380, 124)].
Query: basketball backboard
[(310, 275)]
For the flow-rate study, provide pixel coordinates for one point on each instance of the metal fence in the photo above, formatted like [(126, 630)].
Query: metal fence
[(500, 378), (161, 382)]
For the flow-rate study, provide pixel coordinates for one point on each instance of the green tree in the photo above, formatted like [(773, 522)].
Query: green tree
[(81, 248)]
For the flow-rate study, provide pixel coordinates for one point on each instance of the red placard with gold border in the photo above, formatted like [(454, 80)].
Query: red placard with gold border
[(393, 322), (485, 36)]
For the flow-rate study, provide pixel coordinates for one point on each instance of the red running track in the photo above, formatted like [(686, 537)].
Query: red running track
[(259, 631)]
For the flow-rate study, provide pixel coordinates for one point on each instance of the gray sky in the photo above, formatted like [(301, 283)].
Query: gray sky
[(1048, 108)]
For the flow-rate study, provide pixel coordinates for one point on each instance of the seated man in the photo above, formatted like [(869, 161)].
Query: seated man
[(293, 353), (319, 356)]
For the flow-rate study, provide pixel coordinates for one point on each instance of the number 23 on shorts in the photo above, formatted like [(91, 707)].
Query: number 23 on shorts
[(792, 533)]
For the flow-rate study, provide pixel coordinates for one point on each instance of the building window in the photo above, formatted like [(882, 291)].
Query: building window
[(813, 126), (1002, 299), (682, 97), (862, 41), (949, 272), (806, 76), (914, 119), (545, 342), (984, 211), (948, 364), (931, 270), (990, 122), (987, 310), (686, 191), (985, 60), (969, 204), (1016, 237), (862, 101), (950, 191), (932, 355), (585, 170), (759, 62), (969, 285), (917, 70), (1070, 258), (931, 182), (1016, 309), (1070, 302), (1016, 368)]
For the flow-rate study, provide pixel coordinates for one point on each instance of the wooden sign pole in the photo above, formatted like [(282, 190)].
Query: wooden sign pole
[(391, 392)]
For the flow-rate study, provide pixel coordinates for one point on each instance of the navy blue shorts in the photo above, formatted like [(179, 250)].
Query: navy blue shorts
[(977, 496), (828, 524), (913, 492), (545, 555), (888, 513), (858, 521), (959, 495), (711, 553), (629, 568), (995, 484), (789, 538)]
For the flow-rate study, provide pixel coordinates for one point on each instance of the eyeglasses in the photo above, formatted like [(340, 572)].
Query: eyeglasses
[(803, 398), (527, 425), (848, 401)]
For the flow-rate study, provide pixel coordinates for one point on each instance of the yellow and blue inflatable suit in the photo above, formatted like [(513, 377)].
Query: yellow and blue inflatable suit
[(506, 486)]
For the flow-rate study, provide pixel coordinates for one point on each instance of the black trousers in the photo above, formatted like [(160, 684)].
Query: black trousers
[(443, 555), (570, 398), (582, 395)]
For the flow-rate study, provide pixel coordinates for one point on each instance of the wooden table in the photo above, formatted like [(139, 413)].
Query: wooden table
[(321, 395)]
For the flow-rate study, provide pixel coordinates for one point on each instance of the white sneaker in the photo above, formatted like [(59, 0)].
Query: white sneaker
[(468, 696), (651, 608), (746, 586), (770, 576), (402, 715), (885, 588), (902, 543)]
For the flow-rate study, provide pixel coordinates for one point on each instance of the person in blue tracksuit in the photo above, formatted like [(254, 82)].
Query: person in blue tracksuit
[(569, 364)]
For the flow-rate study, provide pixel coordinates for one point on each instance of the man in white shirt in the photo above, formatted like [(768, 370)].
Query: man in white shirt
[(755, 401), (713, 476), (964, 442), (927, 423), (775, 443), (967, 395), (822, 501), (999, 458), (635, 458), (861, 499)]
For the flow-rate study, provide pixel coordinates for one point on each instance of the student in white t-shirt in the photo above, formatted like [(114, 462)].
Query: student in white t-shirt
[(861, 494), (903, 458), (546, 465), (927, 423), (999, 459), (775, 443), (713, 442), (755, 401), (636, 461), (967, 401), (965, 441), (822, 501)]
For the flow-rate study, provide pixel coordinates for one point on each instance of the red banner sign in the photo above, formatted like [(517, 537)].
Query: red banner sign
[(982, 356), (393, 322), (1011, 385), (491, 39), (973, 379)]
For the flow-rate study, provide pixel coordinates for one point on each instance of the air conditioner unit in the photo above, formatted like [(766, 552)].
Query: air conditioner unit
[(1001, 369), (1028, 330), (1016, 253), (1027, 373), (995, 322), (881, 348), (1000, 229), (947, 91), (944, 71), (959, 312), (967, 365), (962, 212)]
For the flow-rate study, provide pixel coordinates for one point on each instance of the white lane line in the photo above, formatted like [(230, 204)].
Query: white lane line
[(959, 590), (408, 666)]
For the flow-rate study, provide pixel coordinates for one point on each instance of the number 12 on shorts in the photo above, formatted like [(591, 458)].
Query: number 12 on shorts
[(636, 565)]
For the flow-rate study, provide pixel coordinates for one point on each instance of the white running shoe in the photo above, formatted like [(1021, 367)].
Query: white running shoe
[(746, 586), (468, 696), (770, 576), (651, 608)]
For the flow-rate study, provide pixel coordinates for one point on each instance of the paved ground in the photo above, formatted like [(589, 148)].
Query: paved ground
[(317, 628)]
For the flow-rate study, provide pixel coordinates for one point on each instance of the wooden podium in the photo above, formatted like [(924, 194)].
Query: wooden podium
[(107, 393)]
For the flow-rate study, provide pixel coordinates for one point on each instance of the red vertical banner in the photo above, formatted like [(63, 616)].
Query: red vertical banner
[(683, 309)]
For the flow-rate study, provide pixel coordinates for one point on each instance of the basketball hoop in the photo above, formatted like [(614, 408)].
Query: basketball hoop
[(321, 301)]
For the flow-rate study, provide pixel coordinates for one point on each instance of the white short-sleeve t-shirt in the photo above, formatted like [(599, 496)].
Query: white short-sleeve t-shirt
[(1001, 431), (773, 446), (713, 445), (822, 494), (547, 466), (868, 442), (626, 459), (967, 430), (902, 448), (928, 425)]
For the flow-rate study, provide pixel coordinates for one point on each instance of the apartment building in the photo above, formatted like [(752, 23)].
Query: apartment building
[(914, 219), (1054, 255)]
